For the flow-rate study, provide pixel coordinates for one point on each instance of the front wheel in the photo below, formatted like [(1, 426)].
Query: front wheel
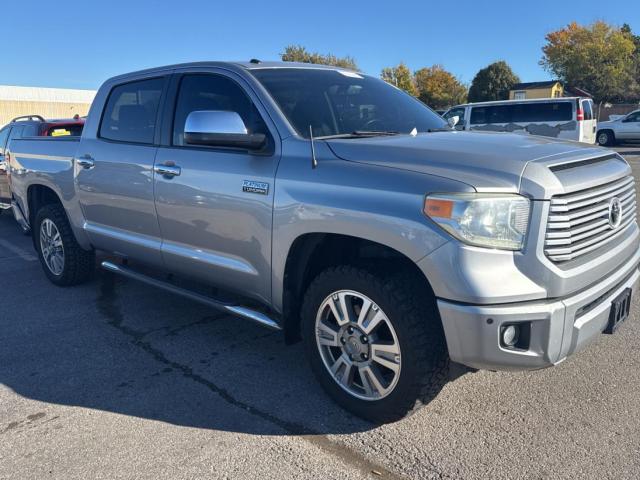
[(64, 262), (606, 138), (375, 344)]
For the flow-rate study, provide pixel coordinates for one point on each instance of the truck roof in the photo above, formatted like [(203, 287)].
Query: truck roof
[(241, 65), (524, 100)]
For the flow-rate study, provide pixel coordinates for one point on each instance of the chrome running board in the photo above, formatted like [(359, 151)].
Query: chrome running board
[(237, 310)]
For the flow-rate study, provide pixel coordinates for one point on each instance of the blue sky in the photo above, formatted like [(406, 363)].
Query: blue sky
[(80, 44)]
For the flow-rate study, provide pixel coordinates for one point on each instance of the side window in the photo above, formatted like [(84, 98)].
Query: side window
[(29, 130), (634, 117), (213, 92), (16, 132), (587, 109), (500, 114), (478, 115), (131, 112), (455, 112), (4, 136)]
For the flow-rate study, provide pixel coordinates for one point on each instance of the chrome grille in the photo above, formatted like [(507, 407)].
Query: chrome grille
[(579, 222)]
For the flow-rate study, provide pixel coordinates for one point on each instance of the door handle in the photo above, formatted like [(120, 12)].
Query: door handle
[(167, 170), (86, 161)]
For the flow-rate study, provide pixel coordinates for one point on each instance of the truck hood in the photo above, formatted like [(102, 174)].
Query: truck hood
[(486, 161), (610, 123)]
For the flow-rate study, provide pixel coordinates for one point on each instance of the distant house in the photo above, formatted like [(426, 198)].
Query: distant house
[(523, 91)]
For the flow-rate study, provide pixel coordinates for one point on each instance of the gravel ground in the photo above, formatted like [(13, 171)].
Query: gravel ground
[(117, 380)]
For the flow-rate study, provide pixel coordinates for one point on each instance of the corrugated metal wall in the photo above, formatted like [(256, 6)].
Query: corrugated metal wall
[(49, 103), (10, 109)]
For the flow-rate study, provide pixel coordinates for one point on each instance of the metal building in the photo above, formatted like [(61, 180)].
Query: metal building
[(46, 102)]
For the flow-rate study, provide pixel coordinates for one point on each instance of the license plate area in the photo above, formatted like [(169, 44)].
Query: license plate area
[(619, 312)]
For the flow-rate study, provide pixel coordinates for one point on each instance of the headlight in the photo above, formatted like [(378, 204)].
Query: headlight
[(490, 220)]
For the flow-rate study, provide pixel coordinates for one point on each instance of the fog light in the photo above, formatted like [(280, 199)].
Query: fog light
[(510, 335)]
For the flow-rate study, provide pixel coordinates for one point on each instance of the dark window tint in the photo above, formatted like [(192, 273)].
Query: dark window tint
[(17, 132), (634, 117), (29, 130), (4, 136), (522, 113), (213, 92), (131, 111), (587, 108), (335, 102)]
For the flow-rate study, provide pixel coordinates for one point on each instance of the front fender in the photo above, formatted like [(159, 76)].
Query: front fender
[(380, 204)]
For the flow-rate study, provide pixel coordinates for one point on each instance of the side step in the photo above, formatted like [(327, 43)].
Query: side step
[(236, 310)]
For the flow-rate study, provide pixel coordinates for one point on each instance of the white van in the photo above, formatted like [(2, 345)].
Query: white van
[(569, 118)]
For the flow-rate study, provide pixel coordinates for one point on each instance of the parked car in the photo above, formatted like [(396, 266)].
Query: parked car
[(569, 118), (30, 125), (333, 206), (623, 128)]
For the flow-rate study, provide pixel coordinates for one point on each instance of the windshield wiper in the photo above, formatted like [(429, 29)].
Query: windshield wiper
[(443, 129), (359, 134)]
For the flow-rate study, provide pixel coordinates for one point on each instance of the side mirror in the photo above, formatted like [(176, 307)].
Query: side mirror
[(453, 121), (220, 128)]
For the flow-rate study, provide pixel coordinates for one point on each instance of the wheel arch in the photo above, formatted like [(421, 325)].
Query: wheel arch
[(38, 195), (311, 253)]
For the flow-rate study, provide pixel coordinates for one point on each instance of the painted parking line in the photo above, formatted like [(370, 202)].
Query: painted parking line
[(23, 254)]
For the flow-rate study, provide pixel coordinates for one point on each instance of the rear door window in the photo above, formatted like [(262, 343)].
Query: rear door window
[(131, 112), (587, 108), (543, 112)]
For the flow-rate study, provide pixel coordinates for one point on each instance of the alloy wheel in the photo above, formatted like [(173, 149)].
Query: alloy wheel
[(51, 247), (358, 345)]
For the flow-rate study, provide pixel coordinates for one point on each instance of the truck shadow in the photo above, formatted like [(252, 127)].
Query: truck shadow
[(144, 353)]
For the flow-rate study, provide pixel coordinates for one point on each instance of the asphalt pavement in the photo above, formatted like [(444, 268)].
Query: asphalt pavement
[(114, 379)]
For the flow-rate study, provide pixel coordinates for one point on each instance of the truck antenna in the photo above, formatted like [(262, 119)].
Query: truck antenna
[(314, 161)]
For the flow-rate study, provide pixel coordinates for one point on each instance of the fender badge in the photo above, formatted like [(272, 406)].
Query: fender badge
[(250, 186)]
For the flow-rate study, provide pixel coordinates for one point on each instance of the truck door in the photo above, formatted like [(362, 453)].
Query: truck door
[(629, 127), (114, 171), (590, 122), (5, 196), (214, 227)]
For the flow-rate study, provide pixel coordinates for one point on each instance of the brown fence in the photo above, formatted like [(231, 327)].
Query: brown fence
[(607, 109)]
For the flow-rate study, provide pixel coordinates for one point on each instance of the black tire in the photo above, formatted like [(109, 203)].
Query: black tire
[(606, 138), (79, 264), (424, 360)]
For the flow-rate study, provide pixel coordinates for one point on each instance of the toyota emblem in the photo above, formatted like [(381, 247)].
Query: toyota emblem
[(615, 213)]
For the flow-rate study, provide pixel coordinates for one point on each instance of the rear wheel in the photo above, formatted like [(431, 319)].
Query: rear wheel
[(375, 344), (64, 262), (606, 138)]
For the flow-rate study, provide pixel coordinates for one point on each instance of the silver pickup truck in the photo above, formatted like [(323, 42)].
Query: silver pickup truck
[(332, 206)]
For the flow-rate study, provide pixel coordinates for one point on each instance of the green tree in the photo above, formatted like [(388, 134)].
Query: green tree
[(439, 88), (634, 91), (401, 77), (493, 83), (598, 58), (298, 53)]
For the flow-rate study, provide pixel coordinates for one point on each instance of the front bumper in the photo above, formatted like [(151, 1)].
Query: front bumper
[(558, 327)]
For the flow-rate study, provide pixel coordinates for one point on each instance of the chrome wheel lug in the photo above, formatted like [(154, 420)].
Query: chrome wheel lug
[(364, 339), (342, 340), (350, 330), (364, 356)]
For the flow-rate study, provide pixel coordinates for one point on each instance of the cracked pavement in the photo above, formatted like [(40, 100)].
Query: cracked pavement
[(115, 379)]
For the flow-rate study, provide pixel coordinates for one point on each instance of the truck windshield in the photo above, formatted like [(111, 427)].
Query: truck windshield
[(335, 102)]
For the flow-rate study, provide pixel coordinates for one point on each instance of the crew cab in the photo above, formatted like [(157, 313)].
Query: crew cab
[(334, 207), (26, 126)]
